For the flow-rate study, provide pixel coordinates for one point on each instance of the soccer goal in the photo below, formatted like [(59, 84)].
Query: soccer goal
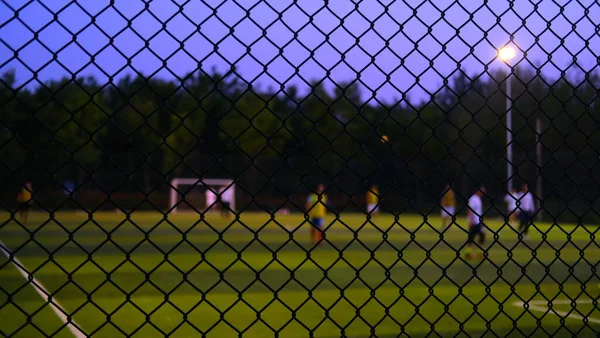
[(201, 194)]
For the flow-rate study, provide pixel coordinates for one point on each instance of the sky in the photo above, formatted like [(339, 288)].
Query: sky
[(402, 48)]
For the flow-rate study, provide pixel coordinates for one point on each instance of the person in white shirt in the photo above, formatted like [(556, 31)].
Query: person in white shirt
[(526, 210), (226, 194), (211, 199), (475, 221), (511, 206)]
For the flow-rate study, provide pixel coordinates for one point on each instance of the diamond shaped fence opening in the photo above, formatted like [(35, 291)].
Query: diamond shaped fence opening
[(299, 168)]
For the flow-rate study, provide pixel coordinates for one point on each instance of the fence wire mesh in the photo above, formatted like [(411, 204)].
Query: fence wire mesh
[(299, 168)]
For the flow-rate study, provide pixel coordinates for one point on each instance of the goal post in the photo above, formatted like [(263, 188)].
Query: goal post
[(178, 189)]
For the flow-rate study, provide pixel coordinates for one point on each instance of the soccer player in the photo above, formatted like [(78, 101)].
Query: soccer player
[(211, 199), (372, 200), (511, 206), (527, 208), (448, 205), (475, 221), (226, 193), (315, 207), (24, 199)]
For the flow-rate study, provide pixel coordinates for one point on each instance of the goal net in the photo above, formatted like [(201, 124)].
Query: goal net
[(193, 194)]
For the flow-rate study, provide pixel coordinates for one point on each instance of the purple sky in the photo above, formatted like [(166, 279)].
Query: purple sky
[(198, 29)]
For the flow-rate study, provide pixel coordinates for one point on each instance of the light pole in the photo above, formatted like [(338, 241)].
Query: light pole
[(538, 131), (506, 54)]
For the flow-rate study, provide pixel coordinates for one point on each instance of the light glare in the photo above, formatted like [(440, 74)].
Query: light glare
[(507, 53)]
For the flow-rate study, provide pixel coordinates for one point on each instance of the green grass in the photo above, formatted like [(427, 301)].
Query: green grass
[(149, 275)]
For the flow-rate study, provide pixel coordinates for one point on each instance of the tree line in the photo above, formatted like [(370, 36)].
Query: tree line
[(135, 134)]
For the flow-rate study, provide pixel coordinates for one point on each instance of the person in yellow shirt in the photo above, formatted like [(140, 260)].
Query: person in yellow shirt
[(448, 205), (316, 209), (24, 199), (373, 200)]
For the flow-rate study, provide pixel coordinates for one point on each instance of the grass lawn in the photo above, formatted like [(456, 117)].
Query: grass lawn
[(147, 275)]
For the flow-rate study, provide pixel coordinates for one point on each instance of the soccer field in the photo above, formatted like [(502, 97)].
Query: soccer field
[(149, 275)]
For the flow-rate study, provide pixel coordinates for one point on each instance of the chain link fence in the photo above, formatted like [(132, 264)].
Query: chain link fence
[(299, 168)]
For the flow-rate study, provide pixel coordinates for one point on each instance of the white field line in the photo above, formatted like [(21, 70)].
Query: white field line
[(535, 306), (56, 307)]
